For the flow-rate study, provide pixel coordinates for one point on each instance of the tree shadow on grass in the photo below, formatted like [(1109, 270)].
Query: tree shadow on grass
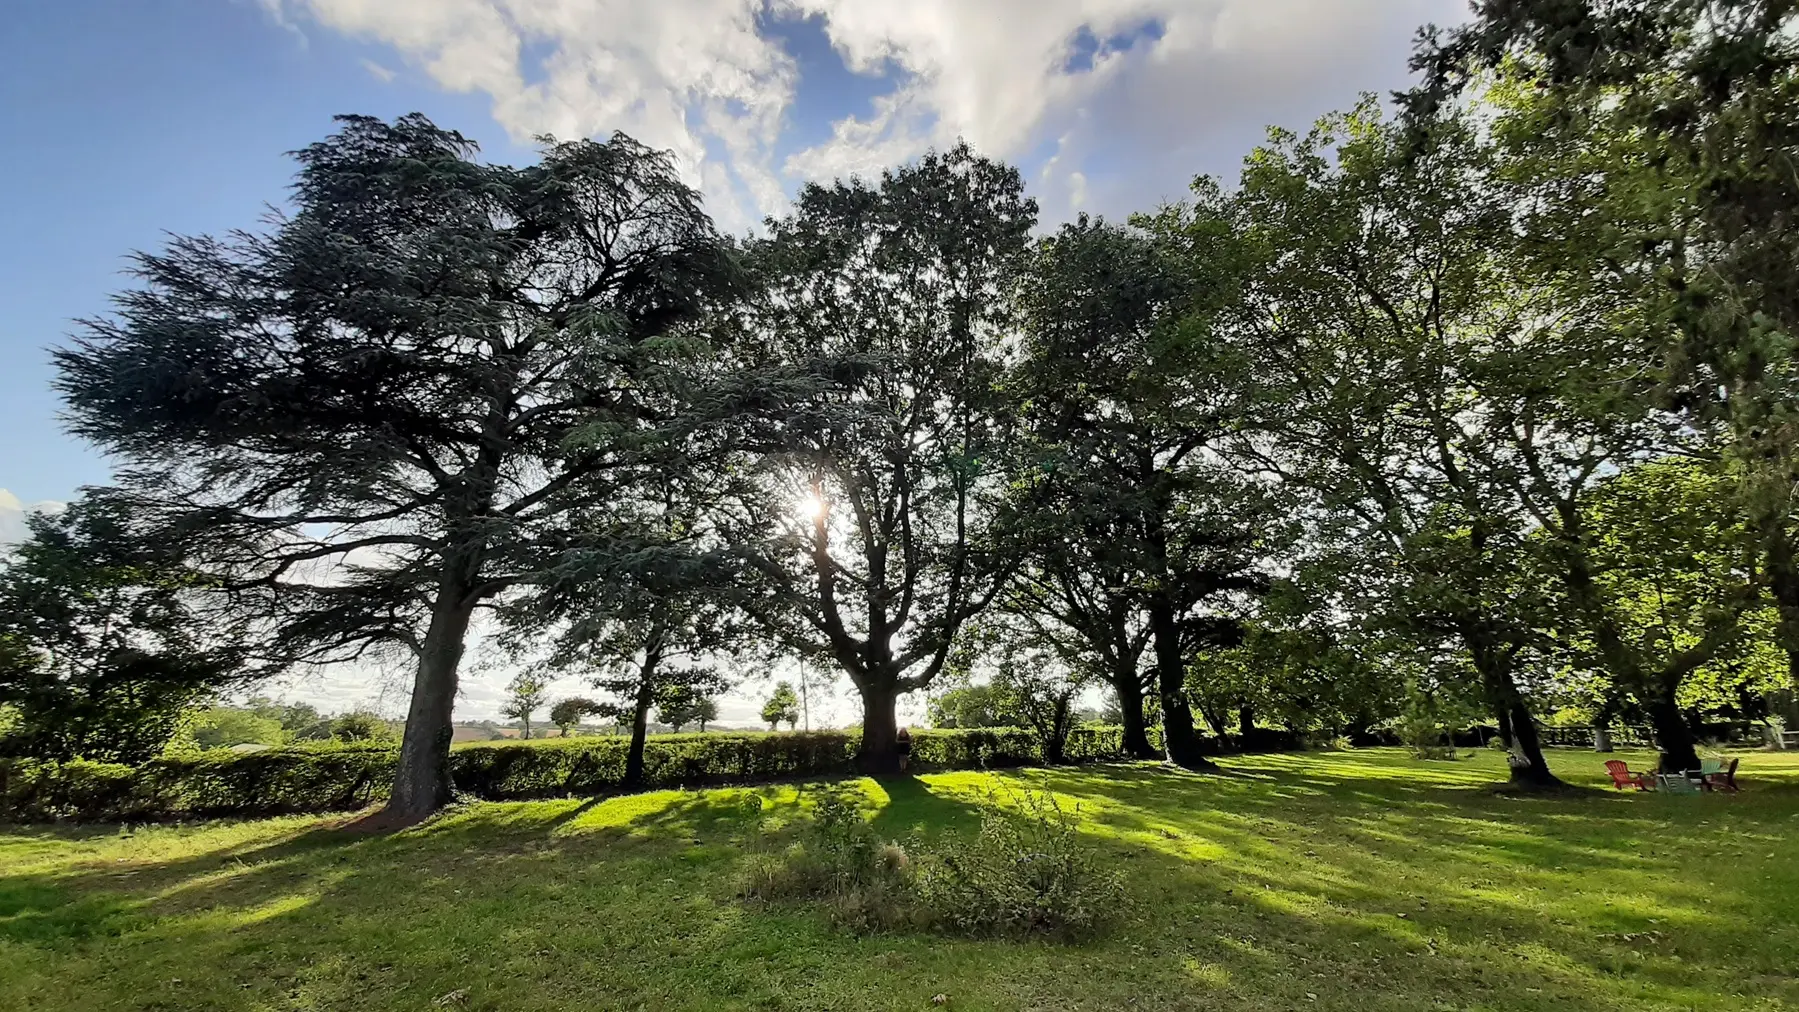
[(915, 808), (1247, 893)]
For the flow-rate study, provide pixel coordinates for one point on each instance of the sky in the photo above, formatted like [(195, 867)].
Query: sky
[(130, 120)]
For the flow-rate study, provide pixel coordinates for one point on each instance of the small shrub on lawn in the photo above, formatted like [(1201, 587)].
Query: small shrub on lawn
[(840, 862), (1025, 873)]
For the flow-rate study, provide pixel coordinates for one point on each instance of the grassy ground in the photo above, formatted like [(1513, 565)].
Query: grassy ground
[(1361, 880)]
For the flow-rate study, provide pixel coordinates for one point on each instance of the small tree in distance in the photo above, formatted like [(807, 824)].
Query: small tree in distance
[(361, 725), (681, 704), (783, 705), (567, 713), (525, 696)]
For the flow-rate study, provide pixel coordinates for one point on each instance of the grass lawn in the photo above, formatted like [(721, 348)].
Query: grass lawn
[(1358, 880)]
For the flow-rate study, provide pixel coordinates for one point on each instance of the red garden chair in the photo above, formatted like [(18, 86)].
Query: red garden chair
[(1622, 777)]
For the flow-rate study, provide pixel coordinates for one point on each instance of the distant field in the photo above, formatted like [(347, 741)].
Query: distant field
[(1357, 880)]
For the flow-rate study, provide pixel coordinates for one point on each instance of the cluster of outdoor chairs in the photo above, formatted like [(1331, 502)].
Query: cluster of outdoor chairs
[(1713, 775)]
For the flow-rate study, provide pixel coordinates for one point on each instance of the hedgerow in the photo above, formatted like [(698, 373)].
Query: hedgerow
[(321, 777)]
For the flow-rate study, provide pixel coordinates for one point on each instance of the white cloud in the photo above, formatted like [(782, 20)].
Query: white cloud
[(377, 71), (13, 514), (1159, 90)]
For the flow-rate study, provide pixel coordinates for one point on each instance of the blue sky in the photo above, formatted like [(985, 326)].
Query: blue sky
[(126, 120)]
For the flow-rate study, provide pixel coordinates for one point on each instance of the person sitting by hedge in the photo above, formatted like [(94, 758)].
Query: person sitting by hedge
[(902, 743)]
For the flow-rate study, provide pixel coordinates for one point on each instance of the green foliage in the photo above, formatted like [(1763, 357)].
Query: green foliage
[(1431, 720), (681, 704), (1028, 871), (1676, 569), (525, 695), (984, 705), (863, 882), (783, 705), (362, 726), (567, 713), (104, 645), (301, 778), (301, 721), (224, 726)]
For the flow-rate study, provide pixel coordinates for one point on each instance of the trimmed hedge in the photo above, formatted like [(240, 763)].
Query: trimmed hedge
[(303, 778), (336, 777)]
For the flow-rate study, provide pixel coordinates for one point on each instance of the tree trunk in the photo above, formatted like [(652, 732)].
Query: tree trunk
[(1178, 737), (422, 778), (1533, 770), (1672, 735), (640, 722), (1214, 720), (1129, 686), (1055, 745), (879, 751), (1517, 727), (1246, 722)]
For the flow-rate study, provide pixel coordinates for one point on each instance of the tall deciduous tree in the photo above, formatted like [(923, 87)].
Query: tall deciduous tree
[(1659, 139), (381, 413), (875, 343), (1380, 295), (1144, 535)]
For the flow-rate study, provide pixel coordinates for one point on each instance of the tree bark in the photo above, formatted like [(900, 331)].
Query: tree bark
[(1129, 686), (1526, 745), (1672, 735), (1178, 737), (1055, 743), (1517, 727), (422, 778), (640, 720), (879, 751)]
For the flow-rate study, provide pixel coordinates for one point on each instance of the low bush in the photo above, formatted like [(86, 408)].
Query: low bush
[(841, 863), (1025, 873)]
